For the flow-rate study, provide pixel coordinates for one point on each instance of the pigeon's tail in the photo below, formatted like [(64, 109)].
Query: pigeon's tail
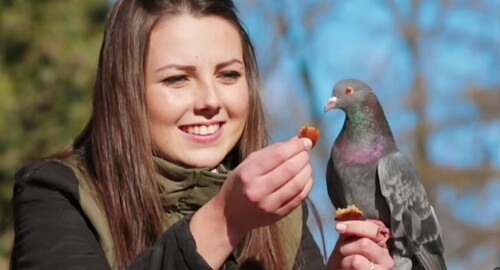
[(403, 263), (427, 259), (431, 261)]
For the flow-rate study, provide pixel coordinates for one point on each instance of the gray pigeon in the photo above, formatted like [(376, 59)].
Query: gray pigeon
[(367, 169)]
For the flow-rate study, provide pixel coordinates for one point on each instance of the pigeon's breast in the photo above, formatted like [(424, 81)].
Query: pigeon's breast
[(359, 186), (359, 153)]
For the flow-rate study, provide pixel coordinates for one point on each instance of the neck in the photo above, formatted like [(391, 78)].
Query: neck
[(367, 121), (365, 136)]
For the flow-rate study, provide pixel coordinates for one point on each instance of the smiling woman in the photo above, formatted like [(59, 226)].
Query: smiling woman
[(196, 89), (174, 170)]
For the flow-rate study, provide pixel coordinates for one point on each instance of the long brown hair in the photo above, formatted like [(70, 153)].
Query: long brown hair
[(117, 141)]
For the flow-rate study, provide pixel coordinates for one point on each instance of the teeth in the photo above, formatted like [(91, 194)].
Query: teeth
[(202, 130)]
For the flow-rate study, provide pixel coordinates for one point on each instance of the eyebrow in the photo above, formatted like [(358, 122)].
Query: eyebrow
[(227, 63), (175, 66), (193, 68)]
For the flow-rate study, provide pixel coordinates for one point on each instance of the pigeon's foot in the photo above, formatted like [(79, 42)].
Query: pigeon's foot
[(383, 232)]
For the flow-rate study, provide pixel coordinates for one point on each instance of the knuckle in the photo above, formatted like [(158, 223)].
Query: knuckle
[(247, 179), (253, 196), (296, 186), (245, 176), (364, 243), (302, 196), (357, 261), (289, 169), (269, 210)]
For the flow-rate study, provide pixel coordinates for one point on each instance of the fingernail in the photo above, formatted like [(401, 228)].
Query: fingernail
[(307, 143), (341, 227)]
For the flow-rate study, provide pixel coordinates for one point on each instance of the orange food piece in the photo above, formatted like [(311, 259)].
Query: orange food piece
[(351, 212), (309, 132)]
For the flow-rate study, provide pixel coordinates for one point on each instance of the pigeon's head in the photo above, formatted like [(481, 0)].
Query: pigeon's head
[(348, 93)]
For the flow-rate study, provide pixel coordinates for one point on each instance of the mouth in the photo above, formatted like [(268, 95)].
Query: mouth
[(201, 130)]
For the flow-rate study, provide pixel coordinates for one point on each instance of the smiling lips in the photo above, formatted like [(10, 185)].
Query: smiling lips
[(201, 129)]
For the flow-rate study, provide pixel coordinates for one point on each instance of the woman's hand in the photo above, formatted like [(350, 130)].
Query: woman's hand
[(264, 188), (267, 185), (361, 245)]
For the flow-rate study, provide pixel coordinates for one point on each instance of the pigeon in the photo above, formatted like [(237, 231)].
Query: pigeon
[(367, 169)]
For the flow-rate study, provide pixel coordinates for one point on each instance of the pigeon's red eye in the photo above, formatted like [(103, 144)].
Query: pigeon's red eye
[(348, 91)]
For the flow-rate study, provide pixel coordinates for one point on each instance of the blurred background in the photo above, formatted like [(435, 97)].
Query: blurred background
[(435, 65)]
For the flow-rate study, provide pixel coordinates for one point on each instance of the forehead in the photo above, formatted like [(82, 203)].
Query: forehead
[(189, 20), (185, 35)]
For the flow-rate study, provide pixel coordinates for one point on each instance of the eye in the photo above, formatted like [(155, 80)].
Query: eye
[(175, 81), (229, 77), (348, 91)]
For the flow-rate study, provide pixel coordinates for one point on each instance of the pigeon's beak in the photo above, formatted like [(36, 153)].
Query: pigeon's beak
[(330, 104)]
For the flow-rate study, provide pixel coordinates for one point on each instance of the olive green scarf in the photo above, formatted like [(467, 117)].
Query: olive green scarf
[(184, 191)]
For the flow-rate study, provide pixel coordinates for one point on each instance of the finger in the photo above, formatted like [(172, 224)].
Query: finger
[(291, 188), (383, 233), (289, 172), (361, 228), (365, 247), (274, 155), (357, 262), (269, 183), (297, 200)]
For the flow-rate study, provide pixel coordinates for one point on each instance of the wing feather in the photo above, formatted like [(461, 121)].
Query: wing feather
[(412, 217)]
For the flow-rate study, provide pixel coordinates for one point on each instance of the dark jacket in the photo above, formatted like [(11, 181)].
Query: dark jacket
[(52, 231)]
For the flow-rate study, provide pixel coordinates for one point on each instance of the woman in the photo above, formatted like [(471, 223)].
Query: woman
[(173, 170)]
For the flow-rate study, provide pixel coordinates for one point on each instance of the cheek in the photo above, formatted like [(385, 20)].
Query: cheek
[(163, 112), (237, 103)]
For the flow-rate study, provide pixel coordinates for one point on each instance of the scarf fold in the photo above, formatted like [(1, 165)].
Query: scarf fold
[(185, 190)]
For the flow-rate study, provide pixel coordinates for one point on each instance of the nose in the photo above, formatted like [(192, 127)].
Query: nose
[(208, 102)]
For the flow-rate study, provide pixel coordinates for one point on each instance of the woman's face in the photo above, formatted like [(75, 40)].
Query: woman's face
[(196, 89)]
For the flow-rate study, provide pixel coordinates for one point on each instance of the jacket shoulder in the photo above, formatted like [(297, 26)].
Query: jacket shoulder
[(49, 173)]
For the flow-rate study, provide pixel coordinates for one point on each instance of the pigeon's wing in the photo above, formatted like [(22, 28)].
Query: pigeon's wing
[(412, 217), (331, 177)]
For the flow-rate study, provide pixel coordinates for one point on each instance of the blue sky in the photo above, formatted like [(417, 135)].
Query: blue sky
[(360, 38)]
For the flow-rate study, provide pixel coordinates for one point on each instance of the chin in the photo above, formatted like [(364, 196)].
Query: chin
[(204, 161)]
